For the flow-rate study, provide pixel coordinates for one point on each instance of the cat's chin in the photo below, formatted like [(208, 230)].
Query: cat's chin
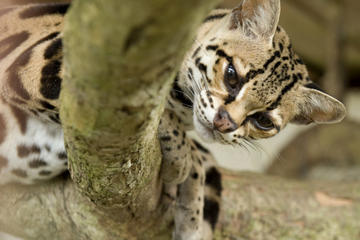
[(206, 133)]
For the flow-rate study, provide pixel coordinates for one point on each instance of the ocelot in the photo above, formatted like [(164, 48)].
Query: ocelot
[(240, 81)]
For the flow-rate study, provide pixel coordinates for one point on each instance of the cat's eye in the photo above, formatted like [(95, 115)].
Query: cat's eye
[(262, 121), (231, 78)]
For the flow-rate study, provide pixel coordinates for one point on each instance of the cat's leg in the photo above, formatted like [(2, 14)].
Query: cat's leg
[(176, 149), (191, 167), (179, 169), (198, 198), (212, 191), (190, 205)]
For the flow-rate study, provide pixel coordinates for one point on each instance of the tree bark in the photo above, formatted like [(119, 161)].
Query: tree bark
[(253, 207), (258, 207)]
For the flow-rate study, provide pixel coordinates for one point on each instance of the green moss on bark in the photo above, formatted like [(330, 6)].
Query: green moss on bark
[(120, 58)]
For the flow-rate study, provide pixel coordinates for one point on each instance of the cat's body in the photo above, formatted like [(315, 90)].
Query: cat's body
[(239, 81)]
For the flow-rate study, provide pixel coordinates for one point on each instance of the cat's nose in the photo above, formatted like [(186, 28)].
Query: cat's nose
[(223, 122)]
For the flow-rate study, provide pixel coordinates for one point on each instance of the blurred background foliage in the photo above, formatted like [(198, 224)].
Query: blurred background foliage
[(326, 34)]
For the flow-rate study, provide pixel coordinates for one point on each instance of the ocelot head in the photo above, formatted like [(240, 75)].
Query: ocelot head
[(246, 80)]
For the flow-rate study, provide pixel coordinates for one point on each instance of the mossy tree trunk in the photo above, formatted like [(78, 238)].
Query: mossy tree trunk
[(112, 101)]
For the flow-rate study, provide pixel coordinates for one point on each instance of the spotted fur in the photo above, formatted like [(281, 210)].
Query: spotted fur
[(244, 79), (241, 80)]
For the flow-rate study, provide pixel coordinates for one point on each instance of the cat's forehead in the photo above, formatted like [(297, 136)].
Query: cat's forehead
[(277, 57), (247, 51), (264, 68)]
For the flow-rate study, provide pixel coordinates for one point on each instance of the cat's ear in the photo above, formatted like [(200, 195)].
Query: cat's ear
[(257, 19), (316, 106)]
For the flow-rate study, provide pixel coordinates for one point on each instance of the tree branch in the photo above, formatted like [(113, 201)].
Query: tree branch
[(266, 208), (253, 207), (120, 58)]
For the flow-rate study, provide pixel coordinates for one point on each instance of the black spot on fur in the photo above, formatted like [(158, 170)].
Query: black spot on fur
[(213, 180), (200, 147), (276, 65), (221, 53), (24, 151), (55, 118), (229, 99), (36, 163), (62, 155), (190, 74), (281, 46), (19, 173), (52, 68), (165, 138), (196, 52), (211, 212), (53, 49), (214, 17), (45, 173), (284, 91), (178, 94), (212, 47), (47, 147), (299, 61), (202, 67), (50, 81), (300, 76), (47, 105), (253, 73), (195, 175), (44, 9), (271, 59), (197, 61), (3, 162)]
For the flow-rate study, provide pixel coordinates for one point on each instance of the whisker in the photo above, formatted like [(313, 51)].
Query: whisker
[(195, 85), (251, 144), (245, 145), (205, 82), (186, 95)]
